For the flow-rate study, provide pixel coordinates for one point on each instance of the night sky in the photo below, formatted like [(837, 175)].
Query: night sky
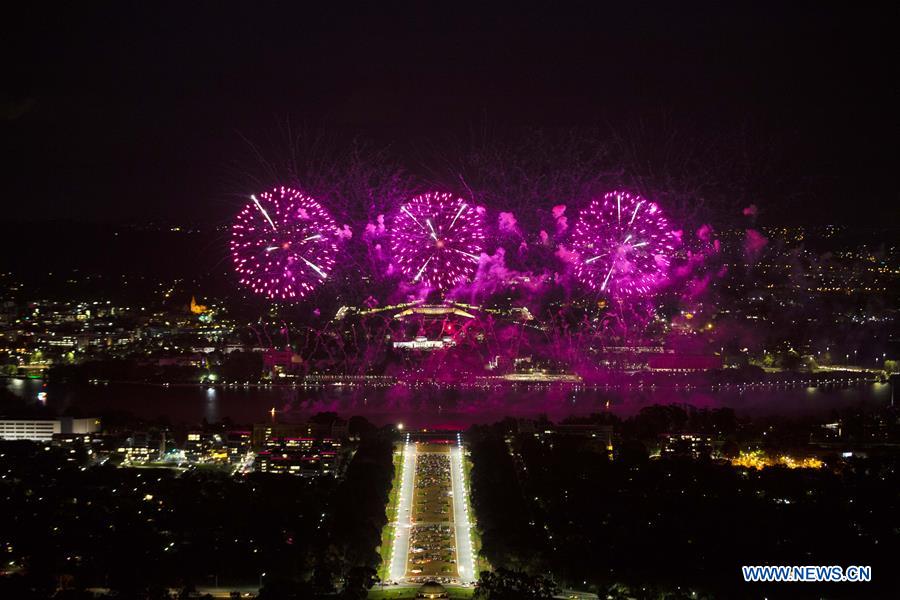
[(129, 111)]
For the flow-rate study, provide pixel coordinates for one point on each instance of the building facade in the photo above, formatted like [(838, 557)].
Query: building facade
[(42, 430)]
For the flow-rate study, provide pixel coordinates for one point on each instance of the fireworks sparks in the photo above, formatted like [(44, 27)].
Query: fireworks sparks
[(283, 244), (437, 240), (624, 245)]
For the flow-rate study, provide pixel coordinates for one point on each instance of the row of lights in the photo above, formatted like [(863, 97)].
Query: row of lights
[(466, 524), (404, 483)]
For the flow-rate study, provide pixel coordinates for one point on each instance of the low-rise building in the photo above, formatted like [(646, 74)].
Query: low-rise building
[(695, 445), (43, 430), (307, 457)]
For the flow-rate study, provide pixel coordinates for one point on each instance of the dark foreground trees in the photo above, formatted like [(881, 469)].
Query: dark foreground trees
[(352, 531), (140, 533), (514, 585), (556, 505), (508, 530)]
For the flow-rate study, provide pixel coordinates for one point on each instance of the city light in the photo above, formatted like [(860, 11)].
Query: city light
[(757, 459), (400, 547), (462, 525)]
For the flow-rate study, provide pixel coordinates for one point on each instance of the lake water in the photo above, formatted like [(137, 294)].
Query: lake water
[(429, 406)]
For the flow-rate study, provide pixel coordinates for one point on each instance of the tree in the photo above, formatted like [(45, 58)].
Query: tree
[(242, 366), (514, 585), (359, 581)]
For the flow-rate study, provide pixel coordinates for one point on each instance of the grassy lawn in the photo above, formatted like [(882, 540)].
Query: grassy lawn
[(387, 534), (480, 563), (410, 592)]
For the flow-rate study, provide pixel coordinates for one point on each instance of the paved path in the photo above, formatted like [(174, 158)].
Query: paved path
[(404, 512), (465, 559)]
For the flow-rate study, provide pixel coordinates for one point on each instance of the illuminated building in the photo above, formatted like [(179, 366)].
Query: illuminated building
[(430, 327), (137, 454), (88, 443), (306, 457), (197, 309), (266, 435), (417, 326), (432, 591), (423, 343), (237, 444), (206, 447), (306, 449), (142, 447), (44, 429), (686, 444)]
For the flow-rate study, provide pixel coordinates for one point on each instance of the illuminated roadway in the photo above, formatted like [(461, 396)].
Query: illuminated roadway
[(403, 525), (465, 559)]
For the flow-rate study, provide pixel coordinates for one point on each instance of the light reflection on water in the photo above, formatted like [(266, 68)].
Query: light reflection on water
[(428, 406), (211, 411)]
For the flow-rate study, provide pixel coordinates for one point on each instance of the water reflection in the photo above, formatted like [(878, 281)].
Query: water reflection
[(430, 406), (211, 409)]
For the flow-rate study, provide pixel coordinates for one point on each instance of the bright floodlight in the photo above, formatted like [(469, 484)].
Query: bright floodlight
[(283, 244), (624, 245), (437, 240)]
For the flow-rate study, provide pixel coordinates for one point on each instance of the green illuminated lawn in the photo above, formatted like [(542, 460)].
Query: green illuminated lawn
[(480, 563), (387, 534)]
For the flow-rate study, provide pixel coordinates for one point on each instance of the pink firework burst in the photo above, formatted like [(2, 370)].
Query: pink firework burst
[(623, 245), (437, 240), (283, 244)]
